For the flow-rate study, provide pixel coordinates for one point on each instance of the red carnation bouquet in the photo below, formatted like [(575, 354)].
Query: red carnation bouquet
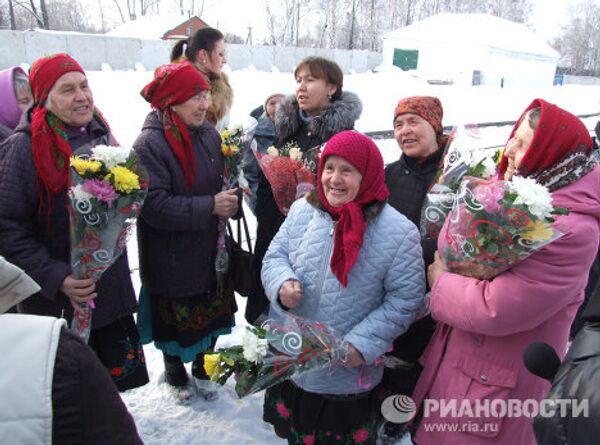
[(291, 172)]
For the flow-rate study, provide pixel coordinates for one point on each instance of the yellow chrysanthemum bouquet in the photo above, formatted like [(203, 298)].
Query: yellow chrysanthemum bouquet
[(233, 139), (108, 187)]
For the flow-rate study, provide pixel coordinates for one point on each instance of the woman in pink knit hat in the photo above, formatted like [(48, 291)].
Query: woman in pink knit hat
[(16, 99)]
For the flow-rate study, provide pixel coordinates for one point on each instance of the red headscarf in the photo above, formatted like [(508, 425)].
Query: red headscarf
[(559, 134), (51, 150), (174, 84), (362, 153)]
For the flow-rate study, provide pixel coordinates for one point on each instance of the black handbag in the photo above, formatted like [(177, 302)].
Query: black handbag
[(240, 260)]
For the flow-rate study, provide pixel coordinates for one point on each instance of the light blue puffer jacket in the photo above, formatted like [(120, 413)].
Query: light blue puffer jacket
[(385, 289)]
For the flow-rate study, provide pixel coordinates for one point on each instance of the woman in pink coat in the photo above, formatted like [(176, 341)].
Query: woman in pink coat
[(476, 353)]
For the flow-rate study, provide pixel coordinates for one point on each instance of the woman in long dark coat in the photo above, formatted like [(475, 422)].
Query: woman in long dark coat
[(34, 223), (177, 234)]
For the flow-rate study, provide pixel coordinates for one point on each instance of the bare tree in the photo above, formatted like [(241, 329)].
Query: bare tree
[(11, 12), (41, 17), (117, 4), (579, 42)]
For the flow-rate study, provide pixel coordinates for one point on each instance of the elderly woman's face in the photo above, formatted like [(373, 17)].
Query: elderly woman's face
[(24, 98), (341, 181), (272, 105), (516, 147), (71, 99), (415, 136), (193, 111)]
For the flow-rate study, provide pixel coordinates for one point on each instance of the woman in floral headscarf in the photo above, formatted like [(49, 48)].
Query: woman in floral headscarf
[(484, 326), (34, 222), (177, 231)]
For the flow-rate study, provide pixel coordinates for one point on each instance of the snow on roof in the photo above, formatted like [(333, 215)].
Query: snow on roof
[(475, 29), (148, 27)]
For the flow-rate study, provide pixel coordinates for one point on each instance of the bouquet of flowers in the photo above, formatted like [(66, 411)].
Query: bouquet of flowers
[(107, 190), (275, 352), (232, 140), (463, 157), (290, 172), (494, 224)]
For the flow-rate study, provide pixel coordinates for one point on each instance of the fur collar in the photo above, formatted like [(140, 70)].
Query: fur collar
[(337, 116), (370, 211), (221, 98)]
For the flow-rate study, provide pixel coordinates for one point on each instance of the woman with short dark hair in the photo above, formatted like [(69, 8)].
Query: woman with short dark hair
[(317, 111)]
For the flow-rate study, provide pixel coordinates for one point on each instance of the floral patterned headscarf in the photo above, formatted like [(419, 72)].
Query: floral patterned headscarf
[(174, 84)]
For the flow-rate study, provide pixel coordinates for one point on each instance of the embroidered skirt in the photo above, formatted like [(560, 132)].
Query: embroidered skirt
[(186, 326), (118, 347), (306, 418)]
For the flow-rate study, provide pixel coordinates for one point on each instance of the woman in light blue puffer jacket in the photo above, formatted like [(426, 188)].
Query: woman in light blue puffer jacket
[(345, 258)]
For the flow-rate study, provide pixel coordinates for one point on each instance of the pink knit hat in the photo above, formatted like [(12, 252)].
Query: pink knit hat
[(10, 113)]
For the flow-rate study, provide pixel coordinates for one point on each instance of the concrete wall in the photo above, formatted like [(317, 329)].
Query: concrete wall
[(581, 80), (92, 50)]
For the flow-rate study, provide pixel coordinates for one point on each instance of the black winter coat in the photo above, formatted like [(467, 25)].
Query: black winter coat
[(337, 116), (86, 405), (40, 243), (409, 181), (177, 231), (577, 378)]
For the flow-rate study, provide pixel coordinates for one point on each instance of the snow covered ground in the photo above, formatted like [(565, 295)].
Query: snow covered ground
[(228, 420)]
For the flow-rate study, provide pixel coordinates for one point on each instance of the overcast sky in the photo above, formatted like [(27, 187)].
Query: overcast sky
[(237, 15)]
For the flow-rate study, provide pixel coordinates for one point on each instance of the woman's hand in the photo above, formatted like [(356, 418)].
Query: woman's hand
[(226, 203), (353, 357), (290, 293), (78, 291), (435, 269)]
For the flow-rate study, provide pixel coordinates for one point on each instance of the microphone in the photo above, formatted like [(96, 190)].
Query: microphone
[(541, 360)]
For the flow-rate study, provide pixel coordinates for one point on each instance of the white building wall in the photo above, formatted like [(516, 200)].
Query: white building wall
[(438, 60)]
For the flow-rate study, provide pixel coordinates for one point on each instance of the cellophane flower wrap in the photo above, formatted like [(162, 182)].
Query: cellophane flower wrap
[(495, 224), (282, 347), (106, 194), (290, 172), (463, 156), (233, 139)]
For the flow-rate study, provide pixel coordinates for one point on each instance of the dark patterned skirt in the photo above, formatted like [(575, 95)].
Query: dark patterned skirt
[(306, 418), (186, 326), (118, 347)]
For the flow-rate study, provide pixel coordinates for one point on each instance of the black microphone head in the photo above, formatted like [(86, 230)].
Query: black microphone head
[(541, 360)]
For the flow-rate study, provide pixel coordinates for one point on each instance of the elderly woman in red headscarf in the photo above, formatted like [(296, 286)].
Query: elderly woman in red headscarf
[(178, 228), (346, 258), (476, 354), (34, 223)]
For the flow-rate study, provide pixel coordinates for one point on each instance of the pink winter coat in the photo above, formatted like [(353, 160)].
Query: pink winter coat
[(485, 326)]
